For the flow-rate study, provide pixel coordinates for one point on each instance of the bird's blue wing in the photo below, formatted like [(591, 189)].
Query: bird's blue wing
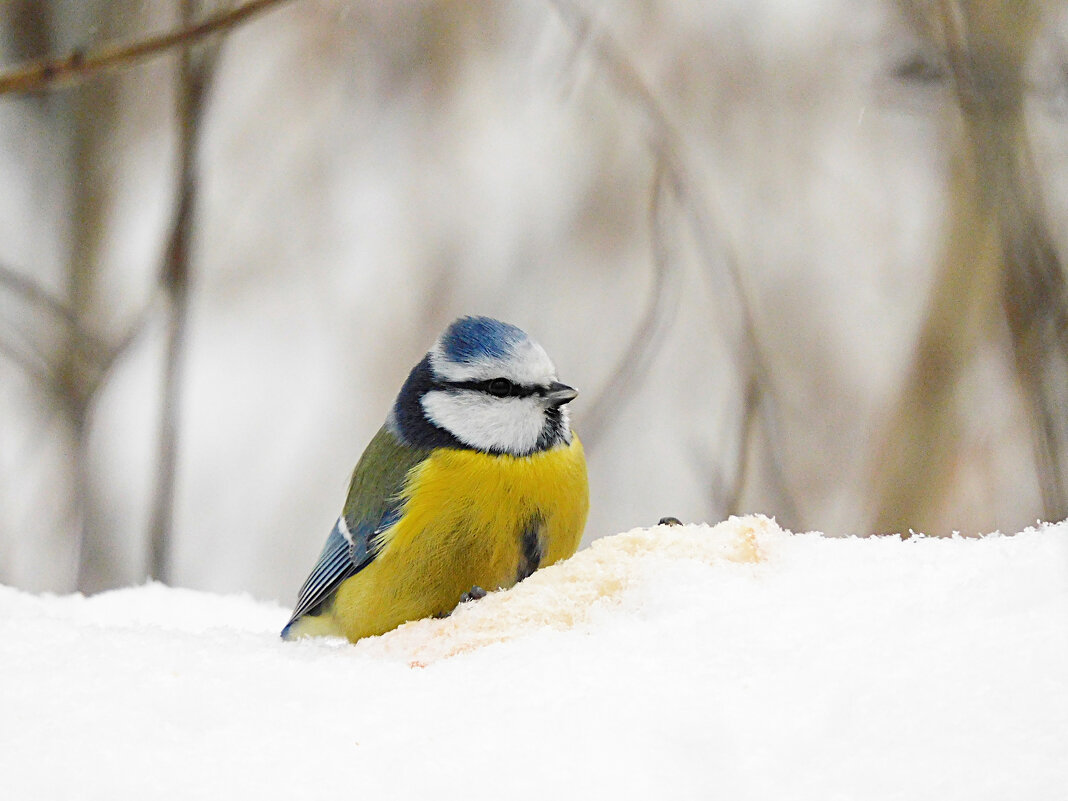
[(346, 552), (373, 505)]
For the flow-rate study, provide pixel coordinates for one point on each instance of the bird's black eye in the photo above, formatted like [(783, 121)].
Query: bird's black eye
[(500, 387)]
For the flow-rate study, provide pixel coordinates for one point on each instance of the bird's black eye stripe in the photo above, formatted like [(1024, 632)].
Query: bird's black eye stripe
[(498, 387)]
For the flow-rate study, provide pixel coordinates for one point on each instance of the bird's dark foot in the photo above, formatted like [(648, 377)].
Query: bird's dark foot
[(473, 594), (669, 521)]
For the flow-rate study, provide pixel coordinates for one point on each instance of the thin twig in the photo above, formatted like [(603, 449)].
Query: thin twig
[(36, 294), (33, 365), (646, 339), (79, 65), (39, 297), (750, 413)]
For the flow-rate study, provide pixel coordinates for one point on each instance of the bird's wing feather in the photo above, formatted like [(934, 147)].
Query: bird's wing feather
[(374, 504)]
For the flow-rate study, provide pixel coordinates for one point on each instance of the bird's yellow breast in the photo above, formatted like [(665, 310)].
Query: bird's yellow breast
[(464, 519)]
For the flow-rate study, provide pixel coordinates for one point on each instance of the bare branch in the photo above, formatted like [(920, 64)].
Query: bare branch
[(80, 65)]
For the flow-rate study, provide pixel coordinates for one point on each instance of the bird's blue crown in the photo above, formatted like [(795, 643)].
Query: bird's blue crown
[(472, 338)]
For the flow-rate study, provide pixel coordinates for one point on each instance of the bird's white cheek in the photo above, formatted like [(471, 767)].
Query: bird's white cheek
[(484, 422)]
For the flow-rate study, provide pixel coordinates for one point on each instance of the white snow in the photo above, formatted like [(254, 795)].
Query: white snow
[(738, 661)]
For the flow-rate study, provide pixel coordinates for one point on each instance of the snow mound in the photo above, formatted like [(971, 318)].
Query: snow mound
[(737, 661), (563, 596)]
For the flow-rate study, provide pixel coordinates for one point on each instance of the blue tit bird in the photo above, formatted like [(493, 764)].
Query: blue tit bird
[(474, 481)]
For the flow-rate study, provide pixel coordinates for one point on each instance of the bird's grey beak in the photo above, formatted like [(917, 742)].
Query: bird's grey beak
[(558, 394)]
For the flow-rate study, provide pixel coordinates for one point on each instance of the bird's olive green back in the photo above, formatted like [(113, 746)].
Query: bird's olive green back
[(379, 478)]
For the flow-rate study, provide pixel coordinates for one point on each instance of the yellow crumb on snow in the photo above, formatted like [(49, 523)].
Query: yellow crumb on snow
[(561, 596)]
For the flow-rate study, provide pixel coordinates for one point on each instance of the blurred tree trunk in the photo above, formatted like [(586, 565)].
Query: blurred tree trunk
[(999, 259), (90, 113)]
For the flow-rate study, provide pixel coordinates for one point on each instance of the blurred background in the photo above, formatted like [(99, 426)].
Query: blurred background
[(800, 258)]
